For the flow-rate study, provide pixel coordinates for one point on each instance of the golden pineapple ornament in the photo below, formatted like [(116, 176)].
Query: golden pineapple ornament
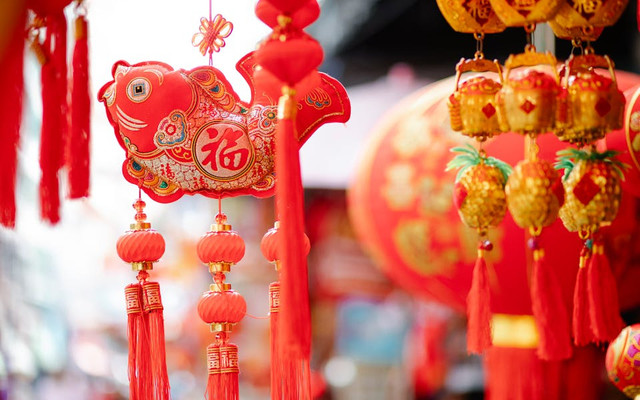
[(479, 190), (480, 199), (592, 188), (534, 193), (595, 105)]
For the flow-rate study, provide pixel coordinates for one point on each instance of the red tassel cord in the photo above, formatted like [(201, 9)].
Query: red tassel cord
[(139, 389), (582, 334), (276, 361), (153, 307), (479, 305), (11, 80), (77, 152), (54, 115), (222, 365), (548, 308), (294, 321), (604, 310)]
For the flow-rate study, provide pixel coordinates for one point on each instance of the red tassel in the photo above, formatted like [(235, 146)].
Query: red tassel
[(549, 311), (153, 306), (222, 364), (604, 310), (139, 372), (582, 334), (11, 80), (276, 361), (77, 153), (478, 308), (294, 325), (54, 115)]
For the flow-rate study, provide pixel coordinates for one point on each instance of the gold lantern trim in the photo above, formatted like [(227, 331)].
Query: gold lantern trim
[(475, 16), (525, 12)]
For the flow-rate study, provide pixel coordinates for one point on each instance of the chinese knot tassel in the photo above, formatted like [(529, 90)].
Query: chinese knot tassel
[(603, 295), (276, 361), (222, 364), (141, 247), (153, 308), (139, 388), (582, 334), (54, 114), (550, 313), (11, 79), (294, 322), (78, 144), (478, 308)]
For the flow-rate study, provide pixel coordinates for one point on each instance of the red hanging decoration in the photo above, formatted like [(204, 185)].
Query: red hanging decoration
[(142, 247), (582, 333), (478, 308), (288, 378), (77, 153), (11, 79), (221, 308), (302, 17)]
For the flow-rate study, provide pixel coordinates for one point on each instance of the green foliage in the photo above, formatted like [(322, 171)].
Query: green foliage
[(468, 157), (567, 159)]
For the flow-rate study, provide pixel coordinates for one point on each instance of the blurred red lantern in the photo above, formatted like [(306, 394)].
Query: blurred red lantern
[(402, 209), (627, 141)]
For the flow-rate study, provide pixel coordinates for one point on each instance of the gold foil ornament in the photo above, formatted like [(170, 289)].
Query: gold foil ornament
[(471, 16), (525, 12), (589, 13)]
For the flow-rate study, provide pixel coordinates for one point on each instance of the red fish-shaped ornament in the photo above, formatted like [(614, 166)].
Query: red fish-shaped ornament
[(188, 132)]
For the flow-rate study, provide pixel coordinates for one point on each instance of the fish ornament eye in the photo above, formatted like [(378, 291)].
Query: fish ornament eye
[(138, 90)]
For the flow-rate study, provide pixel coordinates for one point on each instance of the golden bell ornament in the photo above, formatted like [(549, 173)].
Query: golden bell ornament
[(475, 16), (592, 189), (472, 105), (534, 194), (530, 102), (525, 12), (595, 105), (593, 13)]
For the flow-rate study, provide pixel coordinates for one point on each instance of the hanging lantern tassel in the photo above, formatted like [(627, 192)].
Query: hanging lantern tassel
[(77, 153), (603, 295), (287, 375), (11, 80), (142, 247), (582, 333), (139, 371), (54, 114), (154, 310), (548, 307), (221, 308), (479, 304)]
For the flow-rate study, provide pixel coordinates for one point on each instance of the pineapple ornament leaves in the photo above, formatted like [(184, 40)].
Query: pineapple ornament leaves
[(479, 190)]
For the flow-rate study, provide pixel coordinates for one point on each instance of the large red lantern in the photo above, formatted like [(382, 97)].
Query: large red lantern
[(401, 206)]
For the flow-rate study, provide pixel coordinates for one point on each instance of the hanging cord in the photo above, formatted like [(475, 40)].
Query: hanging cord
[(529, 29)]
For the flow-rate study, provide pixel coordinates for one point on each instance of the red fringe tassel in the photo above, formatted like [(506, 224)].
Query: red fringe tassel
[(276, 360), (77, 153), (153, 306), (604, 310), (479, 308), (11, 80), (582, 334), (54, 115), (294, 330), (139, 363), (222, 364), (549, 310)]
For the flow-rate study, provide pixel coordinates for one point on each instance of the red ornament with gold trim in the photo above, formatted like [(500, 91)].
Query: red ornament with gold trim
[(142, 247), (623, 361)]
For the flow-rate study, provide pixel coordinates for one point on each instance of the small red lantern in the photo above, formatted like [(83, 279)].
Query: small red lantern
[(226, 307), (623, 361)]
